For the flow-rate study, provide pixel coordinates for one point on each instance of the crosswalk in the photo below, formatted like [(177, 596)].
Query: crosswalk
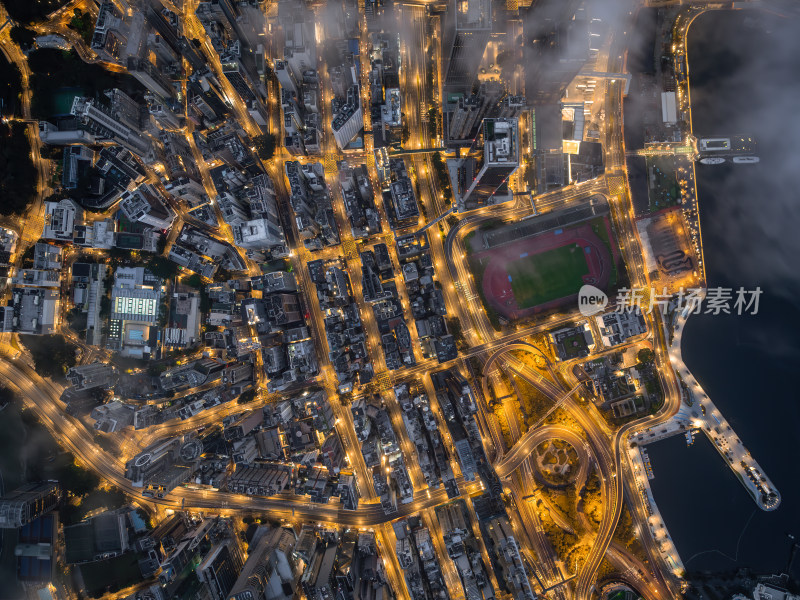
[(382, 381), (465, 292), (329, 163), (616, 185), (349, 248)]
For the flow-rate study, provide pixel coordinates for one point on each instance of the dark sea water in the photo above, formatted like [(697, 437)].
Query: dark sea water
[(745, 76)]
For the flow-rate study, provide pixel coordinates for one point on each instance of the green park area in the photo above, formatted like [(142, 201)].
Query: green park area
[(547, 276), (17, 171), (662, 176), (574, 345)]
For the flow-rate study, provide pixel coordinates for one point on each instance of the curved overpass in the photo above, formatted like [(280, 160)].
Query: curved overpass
[(487, 366), (522, 450), (608, 451)]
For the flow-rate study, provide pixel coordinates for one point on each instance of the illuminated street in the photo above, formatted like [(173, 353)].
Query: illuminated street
[(359, 299)]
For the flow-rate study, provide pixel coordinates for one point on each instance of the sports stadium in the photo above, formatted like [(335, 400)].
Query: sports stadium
[(526, 268)]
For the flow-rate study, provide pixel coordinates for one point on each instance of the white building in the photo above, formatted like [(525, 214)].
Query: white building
[(55, 42), (617, 327), (8, 240), (31, 310), (285, 77), (669, 110), (37, 278), (135, 311), (52, 135), (60, 219), (135, 295), (767, 592), (348, 120), (99, 235), (144, 205), (258, 234)]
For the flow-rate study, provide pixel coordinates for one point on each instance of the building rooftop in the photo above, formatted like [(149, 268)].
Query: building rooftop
[(501, 144), (473, 14)]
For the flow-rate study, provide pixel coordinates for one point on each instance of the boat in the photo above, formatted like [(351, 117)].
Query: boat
[(746, 159), (712, 160)]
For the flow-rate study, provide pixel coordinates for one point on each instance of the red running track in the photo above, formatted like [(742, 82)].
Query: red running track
[(497, 288)]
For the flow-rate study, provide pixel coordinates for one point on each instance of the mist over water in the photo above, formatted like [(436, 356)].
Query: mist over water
[(745, 75)]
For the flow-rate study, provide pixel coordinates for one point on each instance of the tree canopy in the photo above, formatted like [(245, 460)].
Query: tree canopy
[(53, 355), (265, 145), (18, 174)]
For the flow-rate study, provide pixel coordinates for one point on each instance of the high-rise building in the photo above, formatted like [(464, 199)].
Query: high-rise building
[(261, 197), (285, 77), (219, 570), (348, 118), (268, 568), (98, 119), (206, 97), (299, 43), (145, 205), (490, 93), (89, 377), (258, 234), (152, 460), (226, 15), (156, 20), (110, 36), (27, 503), (234, 70), (556, 46), (177, 157), (162, 113), (60, 219), (467, 27), (481, 177), (76, 162), (512, 106), (125, 109), (150, 77), (462, 119)]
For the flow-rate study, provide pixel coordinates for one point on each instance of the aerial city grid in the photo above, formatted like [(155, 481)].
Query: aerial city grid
[(366, 300)]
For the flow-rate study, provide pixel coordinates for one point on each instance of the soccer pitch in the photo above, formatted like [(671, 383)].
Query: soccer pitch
[(547, 276)]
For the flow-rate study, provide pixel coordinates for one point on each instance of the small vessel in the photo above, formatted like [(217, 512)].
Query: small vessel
[(746, 159), (712, 160)]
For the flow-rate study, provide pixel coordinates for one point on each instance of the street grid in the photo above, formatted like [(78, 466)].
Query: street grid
[(543, 278)]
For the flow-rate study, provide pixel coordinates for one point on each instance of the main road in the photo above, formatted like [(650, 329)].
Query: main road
[(42, 396)]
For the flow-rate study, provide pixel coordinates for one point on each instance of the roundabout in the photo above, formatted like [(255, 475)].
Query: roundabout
[(557, 463)]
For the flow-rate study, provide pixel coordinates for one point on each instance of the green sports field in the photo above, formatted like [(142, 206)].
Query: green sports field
[(547, 276)]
